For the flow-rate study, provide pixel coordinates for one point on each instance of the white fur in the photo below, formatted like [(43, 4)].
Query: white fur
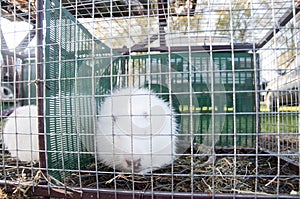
[(20, 133), (135, 124)]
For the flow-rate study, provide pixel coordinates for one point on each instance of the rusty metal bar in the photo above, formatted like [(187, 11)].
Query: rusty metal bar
[(111, 194)]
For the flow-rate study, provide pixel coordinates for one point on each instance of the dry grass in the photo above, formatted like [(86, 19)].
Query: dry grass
[(240, 172), (243, 173), (3, 195)]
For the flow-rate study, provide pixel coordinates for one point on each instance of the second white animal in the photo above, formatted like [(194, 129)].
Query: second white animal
[(20, 133)]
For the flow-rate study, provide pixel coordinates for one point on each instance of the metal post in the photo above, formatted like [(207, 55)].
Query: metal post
[(40, 83)]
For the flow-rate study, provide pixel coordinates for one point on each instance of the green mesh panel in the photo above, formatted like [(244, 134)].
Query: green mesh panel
[(74, 62)]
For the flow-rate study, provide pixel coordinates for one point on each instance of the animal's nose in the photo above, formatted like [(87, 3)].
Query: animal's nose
[(133, 162)]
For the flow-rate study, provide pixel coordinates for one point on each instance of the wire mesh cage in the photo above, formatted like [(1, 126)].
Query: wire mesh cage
[(152, 99)]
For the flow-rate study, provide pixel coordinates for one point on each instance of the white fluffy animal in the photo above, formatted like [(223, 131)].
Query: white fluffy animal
[(136, 131), (20, 133)]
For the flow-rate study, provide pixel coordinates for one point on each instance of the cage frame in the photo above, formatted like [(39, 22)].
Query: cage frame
[(47, 191)]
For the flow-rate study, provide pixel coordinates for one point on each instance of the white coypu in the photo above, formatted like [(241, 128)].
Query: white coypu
[(20, 133), (136, 131)]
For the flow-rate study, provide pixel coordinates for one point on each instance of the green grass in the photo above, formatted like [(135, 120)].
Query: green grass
[(286, 120), (282, 123)]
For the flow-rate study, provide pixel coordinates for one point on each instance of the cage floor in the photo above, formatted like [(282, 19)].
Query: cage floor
[(243, 173)]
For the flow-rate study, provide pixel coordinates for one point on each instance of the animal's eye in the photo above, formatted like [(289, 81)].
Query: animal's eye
[(145, 114), (114, 118)]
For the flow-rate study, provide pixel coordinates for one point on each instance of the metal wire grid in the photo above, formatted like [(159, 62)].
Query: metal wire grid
[(283, 89), (276, 130), (254, 20)]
